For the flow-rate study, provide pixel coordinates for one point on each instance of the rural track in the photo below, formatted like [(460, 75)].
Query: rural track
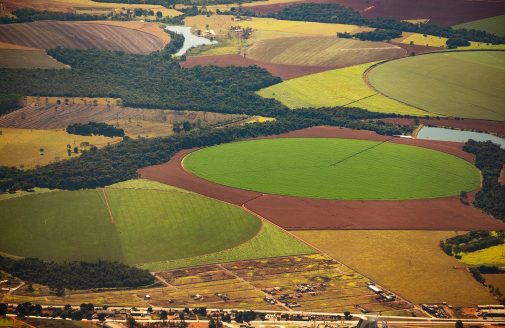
[(106, 202)]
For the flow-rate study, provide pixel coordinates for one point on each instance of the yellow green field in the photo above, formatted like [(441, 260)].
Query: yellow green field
[(21, 147), (494, 255), (425, 40), (339, 87), (221, 24), (409, 263)]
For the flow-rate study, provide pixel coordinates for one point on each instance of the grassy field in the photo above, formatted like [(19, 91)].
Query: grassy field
[(149, 224), (22, 147), (425, 40), (334, 169), (409, 263), (187, 225), (12, 58), (221, 24), (321, 51), (496, 280), (464, 84), (494, 25), (339, 87), (494, 255), (269, 242)]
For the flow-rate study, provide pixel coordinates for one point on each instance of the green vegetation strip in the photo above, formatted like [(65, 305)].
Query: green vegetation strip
[(495, 25), (335, 169), (463, 84), (152, 225)]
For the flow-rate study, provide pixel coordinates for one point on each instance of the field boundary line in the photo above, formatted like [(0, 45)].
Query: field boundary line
[(106, 201)]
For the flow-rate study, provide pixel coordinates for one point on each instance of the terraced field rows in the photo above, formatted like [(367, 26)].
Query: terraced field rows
[(52, 34)]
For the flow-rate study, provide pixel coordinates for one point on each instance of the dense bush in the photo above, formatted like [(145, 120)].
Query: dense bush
[(153, 81), (490, 159), (93, 128), (9, 103), (377, 35), (176, 43), (335, 13), (76, 275), (29, 15), (453, 43), (472, 241)]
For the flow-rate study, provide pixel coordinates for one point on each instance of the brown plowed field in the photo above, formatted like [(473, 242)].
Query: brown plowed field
[(440, 12), (52, 34), (304, 213), (494, 127), (283, 71)]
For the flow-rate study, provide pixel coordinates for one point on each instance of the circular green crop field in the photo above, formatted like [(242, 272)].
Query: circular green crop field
[(463, 84), (334, 169), (143, 226)]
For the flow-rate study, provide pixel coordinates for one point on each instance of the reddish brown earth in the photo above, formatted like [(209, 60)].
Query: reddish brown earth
[(305, 213), (501, 179), (440, 12), (494, 127), (415, 48), (285, 72)]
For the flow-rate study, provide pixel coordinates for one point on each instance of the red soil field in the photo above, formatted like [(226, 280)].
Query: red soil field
[(305, 213), (52, 34), (493, 127), (415, 48), (440, 12), (285, 72)]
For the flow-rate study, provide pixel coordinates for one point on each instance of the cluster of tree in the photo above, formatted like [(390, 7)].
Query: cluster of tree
[(185, 126), (30, 15), (94, 128), (121, 161), (76, 275), (336, 13), (165, 84), (176, 43), (245, 316), (377, 35), (453, 43), (472, 241), (9, 103), (489, 159)]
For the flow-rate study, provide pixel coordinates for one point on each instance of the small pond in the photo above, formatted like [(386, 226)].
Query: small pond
[(190, 40), (443, 134)]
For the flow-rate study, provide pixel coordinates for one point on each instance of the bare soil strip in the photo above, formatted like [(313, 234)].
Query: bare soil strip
[(295, 213), (106, 202)]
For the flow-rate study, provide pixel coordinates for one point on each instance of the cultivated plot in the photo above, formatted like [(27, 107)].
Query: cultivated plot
[(339, 87), (410, 263), (462, 84), (334, 169), (139, 223), (52, 34), (321, 51)]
